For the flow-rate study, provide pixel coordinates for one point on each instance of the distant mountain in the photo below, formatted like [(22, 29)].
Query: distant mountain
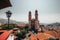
[(54, 25), (57, 24), (4, 21)]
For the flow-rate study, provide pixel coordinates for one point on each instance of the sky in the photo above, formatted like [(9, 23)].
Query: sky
[(48, 10)]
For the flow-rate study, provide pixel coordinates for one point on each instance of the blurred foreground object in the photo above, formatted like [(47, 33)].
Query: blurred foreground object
[(5, 3)]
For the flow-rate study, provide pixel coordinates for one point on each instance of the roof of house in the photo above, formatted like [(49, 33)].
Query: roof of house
[(22, 24), (53, 33), (5, 34), (16, 29), (44, 35), (4, 4)]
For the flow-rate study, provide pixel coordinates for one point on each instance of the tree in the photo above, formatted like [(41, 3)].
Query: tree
[(21, 34), (5, 26), (26, 27)]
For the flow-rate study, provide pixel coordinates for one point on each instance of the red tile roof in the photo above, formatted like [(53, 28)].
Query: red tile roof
[(40, 36), (5, 34), (44, 35), (53, 33), (22, 24)]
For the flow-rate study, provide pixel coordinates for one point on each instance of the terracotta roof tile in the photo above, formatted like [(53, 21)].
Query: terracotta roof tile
[(44, 35), (5, 34)]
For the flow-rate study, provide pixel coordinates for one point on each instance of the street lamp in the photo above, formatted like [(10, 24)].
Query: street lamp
[(8, 14)]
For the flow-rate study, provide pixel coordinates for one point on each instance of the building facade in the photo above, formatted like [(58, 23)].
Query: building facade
[(34, 23)]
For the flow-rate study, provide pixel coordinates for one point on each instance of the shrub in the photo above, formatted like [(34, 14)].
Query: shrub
[(21, 34)]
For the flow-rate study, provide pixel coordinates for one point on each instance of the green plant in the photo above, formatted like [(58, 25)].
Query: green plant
[(5, 26), (21, 34)]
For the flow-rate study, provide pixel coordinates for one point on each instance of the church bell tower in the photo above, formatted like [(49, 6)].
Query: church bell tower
[(29, 19), (36, 15)]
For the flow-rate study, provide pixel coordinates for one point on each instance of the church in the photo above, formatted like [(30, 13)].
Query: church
[(34, 23)]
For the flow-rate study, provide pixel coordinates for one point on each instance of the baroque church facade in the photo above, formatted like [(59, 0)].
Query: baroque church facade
[(34, 23)]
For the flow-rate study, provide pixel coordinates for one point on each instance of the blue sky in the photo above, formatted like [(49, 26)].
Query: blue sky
[(48, 10)]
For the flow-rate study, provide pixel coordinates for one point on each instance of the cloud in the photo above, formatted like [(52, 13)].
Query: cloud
[(49, 10)]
